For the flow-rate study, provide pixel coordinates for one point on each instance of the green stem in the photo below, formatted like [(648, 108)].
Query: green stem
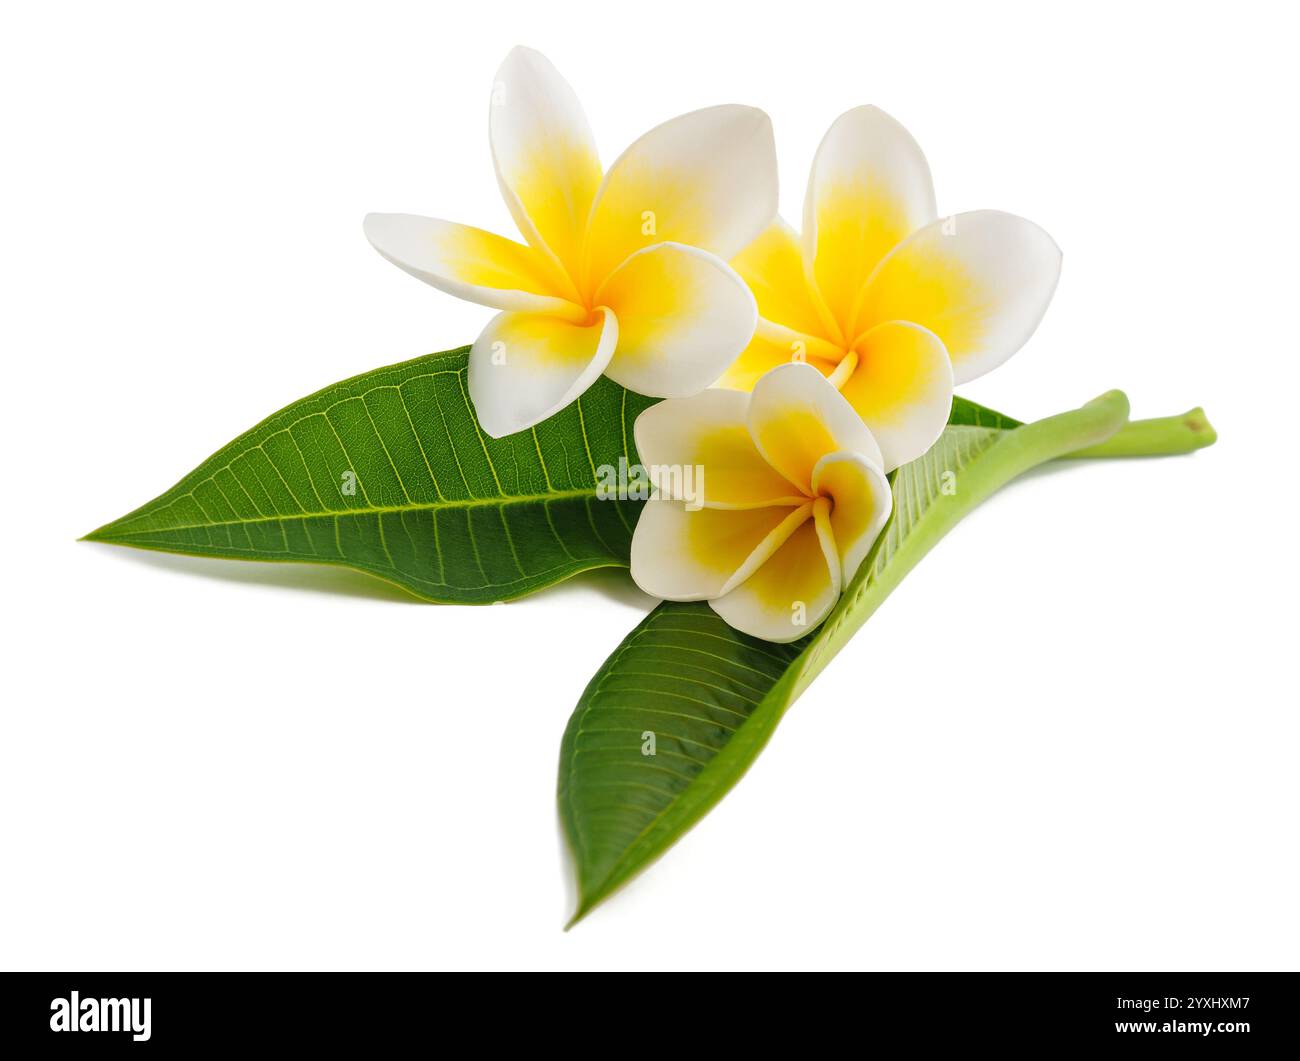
[(1091, 426), (1163, 436)]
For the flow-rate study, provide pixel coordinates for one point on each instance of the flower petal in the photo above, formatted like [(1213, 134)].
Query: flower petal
[(545, 154), (980, 281), (706, 179), (470, 263), (773, 346), (869, 189), (789, 594), (709, 431), (528, 366), (797, 417), (773, 268), (902, 387), (861, 503), (683, 316), (679, 554)]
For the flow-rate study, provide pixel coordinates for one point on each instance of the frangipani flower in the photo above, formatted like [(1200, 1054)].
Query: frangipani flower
[(891, 303), (794, 496), (625, 274)]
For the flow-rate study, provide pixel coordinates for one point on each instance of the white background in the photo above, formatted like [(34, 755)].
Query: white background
[(1068, 741)]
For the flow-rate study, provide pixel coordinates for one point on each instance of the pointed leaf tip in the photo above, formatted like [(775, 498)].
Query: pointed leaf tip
[(389, 473)]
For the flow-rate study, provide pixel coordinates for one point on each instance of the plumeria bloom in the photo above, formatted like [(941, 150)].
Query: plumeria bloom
[(624, 274), (793, 498), (893, 304)]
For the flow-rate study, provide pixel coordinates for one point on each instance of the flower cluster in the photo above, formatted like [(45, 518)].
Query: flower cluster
[(624, 274), (798, 370)]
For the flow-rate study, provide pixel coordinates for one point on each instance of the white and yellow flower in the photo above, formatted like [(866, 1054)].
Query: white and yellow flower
[(889, 301), (793, 498), (625, 275)]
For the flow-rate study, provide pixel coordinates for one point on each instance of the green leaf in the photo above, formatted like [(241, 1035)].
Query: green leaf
[(710, 696), (436, 507), (965, 411)]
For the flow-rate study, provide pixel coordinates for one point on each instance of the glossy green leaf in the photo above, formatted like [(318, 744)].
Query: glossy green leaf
[(389, 473), (705, 698), (965, 411)]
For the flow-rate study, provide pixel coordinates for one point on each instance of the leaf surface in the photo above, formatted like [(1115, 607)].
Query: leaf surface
[(965, 411), (710, 696), (389, 473)]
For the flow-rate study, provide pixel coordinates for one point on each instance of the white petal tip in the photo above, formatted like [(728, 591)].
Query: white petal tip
[(496, 425), (382, 229), (521, 54)]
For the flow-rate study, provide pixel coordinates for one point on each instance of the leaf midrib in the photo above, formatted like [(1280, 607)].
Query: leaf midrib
[(363, 510)]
